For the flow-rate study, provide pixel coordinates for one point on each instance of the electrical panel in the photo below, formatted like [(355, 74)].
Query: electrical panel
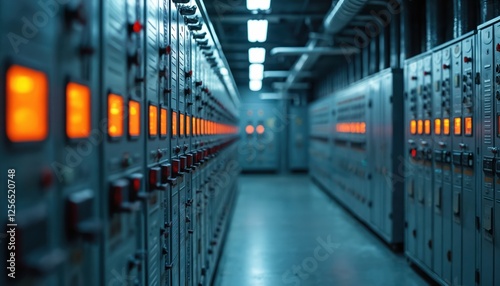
[(447, 157), (119, 134), (355, 151), (261, 126), (455, 244)]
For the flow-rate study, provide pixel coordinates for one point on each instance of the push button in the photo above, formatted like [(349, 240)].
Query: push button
[(154, 178), (413, 153), (176, 167), (119, 194), (80, 217), (183, 162), (135, 186), (165, 173), (189, 162)]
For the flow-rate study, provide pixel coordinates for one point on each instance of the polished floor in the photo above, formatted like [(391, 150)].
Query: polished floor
[(286, 231)]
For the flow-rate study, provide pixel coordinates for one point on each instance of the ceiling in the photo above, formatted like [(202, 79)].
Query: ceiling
[(290, 22)]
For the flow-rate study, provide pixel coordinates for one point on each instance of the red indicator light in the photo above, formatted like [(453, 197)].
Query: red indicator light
[(137, 27), (413, 153)]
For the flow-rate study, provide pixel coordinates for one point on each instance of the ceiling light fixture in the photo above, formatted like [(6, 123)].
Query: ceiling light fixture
[(258, 4), (257, 55), (255, 85), (257, 30), (256, 71)]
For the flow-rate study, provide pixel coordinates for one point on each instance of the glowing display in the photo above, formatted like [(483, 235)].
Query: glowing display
[(182, 124), (446, 126), (351, 127), (427, 127), (163, 122), (174, 123), (468, 126), (457, 126), (153, 120), (437, 126), (420, 127), (77, 111), (115, 115), (413, 127), (26, 104), (134, 118)]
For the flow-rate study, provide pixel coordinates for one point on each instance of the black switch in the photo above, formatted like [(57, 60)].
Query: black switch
[(447, 157), (34, 254), (468, 159), (457, 158), (438, 155), (80, 217), (428, 154), (497, 169), (489, 164)]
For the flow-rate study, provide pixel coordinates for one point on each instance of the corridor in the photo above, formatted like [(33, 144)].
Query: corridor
[(283, 226)]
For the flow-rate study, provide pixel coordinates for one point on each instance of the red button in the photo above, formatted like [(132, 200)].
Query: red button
[(413, 153), (119, 193), (137, 27), (183, 163), (176, 166), (189, 162), (154, 178), (165, 173), (136, 186)]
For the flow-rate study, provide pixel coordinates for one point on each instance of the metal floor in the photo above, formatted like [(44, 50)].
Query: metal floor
[(286, 231)]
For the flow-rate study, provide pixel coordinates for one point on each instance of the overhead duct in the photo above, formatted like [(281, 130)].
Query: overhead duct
[(339, 16), (316, 51), (279, 74)]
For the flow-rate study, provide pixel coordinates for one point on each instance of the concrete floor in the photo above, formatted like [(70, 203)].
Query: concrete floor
[(286, 231)]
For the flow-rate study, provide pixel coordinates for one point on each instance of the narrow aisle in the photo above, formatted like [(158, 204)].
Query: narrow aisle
[(286, 231)]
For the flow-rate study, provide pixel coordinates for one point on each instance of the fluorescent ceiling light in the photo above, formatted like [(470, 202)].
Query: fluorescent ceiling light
[(256, 71), (255, 85), (258, 4), (257, 30), (257, 55), (224, 71)]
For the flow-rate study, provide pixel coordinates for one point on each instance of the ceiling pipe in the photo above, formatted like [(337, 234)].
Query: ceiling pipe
[(338, 17), (278, 74), (292, 51), (297, 85)]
